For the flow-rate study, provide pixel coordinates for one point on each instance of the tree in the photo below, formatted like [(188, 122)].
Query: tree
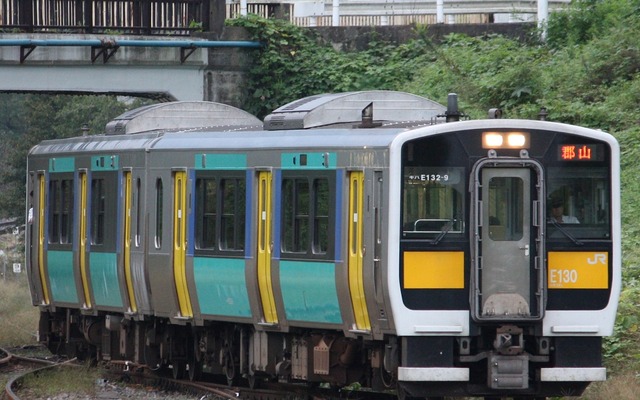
[(29, 119)]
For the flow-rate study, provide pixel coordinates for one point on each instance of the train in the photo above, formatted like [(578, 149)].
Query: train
[(376, 238)]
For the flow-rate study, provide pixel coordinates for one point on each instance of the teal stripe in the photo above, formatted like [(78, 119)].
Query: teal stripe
[(309, 291), (105, 163), (308, 160), (61, 278), (221, 286), (104, 279), (220, 161), (62, 164)]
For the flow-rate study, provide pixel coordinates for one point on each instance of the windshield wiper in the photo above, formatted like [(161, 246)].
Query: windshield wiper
[(445, 229), (565, 232)]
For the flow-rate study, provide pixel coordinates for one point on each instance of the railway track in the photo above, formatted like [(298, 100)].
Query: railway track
[(262, 391), (19, 367)]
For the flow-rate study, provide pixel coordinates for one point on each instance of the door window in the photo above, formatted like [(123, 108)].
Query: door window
[(505, 208)]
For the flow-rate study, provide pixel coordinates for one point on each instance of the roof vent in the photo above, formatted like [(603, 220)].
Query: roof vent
[(348, 108), (180, 115)]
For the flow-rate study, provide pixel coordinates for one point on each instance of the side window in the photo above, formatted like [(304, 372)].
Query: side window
[(61, 203), (206, 205), (98, 204), (232, 214), (220, 211), (138, 197), (66, 220), (295, 210), (54, 211), (159, 205), (306, 220), (321, 216)]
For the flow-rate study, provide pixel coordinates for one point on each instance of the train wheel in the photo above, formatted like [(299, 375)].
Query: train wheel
[(253, 381), (194, 364), (177, 370), (194, 368), (229, 367), (403, 395)]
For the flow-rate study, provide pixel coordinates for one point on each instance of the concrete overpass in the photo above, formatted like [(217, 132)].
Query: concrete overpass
[(166, 68)]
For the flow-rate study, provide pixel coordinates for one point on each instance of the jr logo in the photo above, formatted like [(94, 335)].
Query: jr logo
[(598, 258)]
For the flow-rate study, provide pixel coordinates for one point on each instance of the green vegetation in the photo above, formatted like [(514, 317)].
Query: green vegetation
[(80, 380), (294, 64), (18, 319), (26, 120)]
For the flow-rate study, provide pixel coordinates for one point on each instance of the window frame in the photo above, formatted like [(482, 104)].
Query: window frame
[(104, 219), (60, 230), (229, 213), (314, 246)]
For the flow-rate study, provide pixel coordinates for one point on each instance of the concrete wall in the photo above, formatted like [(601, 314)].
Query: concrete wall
[(226, 74)]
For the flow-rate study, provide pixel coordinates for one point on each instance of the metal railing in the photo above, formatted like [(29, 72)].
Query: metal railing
[(144, 17), (182, 17)]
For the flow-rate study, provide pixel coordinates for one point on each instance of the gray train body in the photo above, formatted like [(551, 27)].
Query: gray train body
[(348, 238)]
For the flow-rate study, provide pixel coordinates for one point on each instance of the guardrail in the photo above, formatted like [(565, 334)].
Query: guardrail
[(183, 17), (146, 17)]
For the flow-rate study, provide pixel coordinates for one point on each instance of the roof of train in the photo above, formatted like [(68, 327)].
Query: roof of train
[(223, 140), (327, 120), (326, 138), (369, 119)]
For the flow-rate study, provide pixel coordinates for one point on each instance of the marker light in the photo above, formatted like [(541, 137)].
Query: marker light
[(491, 140), (516, 139), (505, 140)]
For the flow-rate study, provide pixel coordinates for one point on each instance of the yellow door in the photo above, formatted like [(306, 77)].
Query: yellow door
[(82, 253), (180, 243), (264, 248), (356, 251), (40, 216), (127, 242)]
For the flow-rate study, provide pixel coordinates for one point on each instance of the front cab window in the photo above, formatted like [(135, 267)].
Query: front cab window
[(433, 201), (578, 203)]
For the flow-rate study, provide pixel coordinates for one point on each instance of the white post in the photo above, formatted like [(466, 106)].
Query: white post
[(440, 11), (336, 13), (313, 21), (384, 20), (243, 8), (543, 15)]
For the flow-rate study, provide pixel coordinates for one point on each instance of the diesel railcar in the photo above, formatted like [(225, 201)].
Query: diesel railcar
[(369, 237)]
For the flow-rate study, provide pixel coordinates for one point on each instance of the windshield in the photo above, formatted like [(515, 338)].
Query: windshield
[(577, 201), (432, 201)]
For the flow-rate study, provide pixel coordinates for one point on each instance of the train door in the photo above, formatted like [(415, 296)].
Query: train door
[(40, 225), (82, 251), (356, 251), (508, 280), (180, 243), (126, 259), (264, 248)]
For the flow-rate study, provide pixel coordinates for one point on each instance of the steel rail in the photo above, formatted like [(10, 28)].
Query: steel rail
[(10, 394)]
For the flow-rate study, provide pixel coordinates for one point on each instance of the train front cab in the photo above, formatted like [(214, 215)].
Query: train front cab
[(498, 298)]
